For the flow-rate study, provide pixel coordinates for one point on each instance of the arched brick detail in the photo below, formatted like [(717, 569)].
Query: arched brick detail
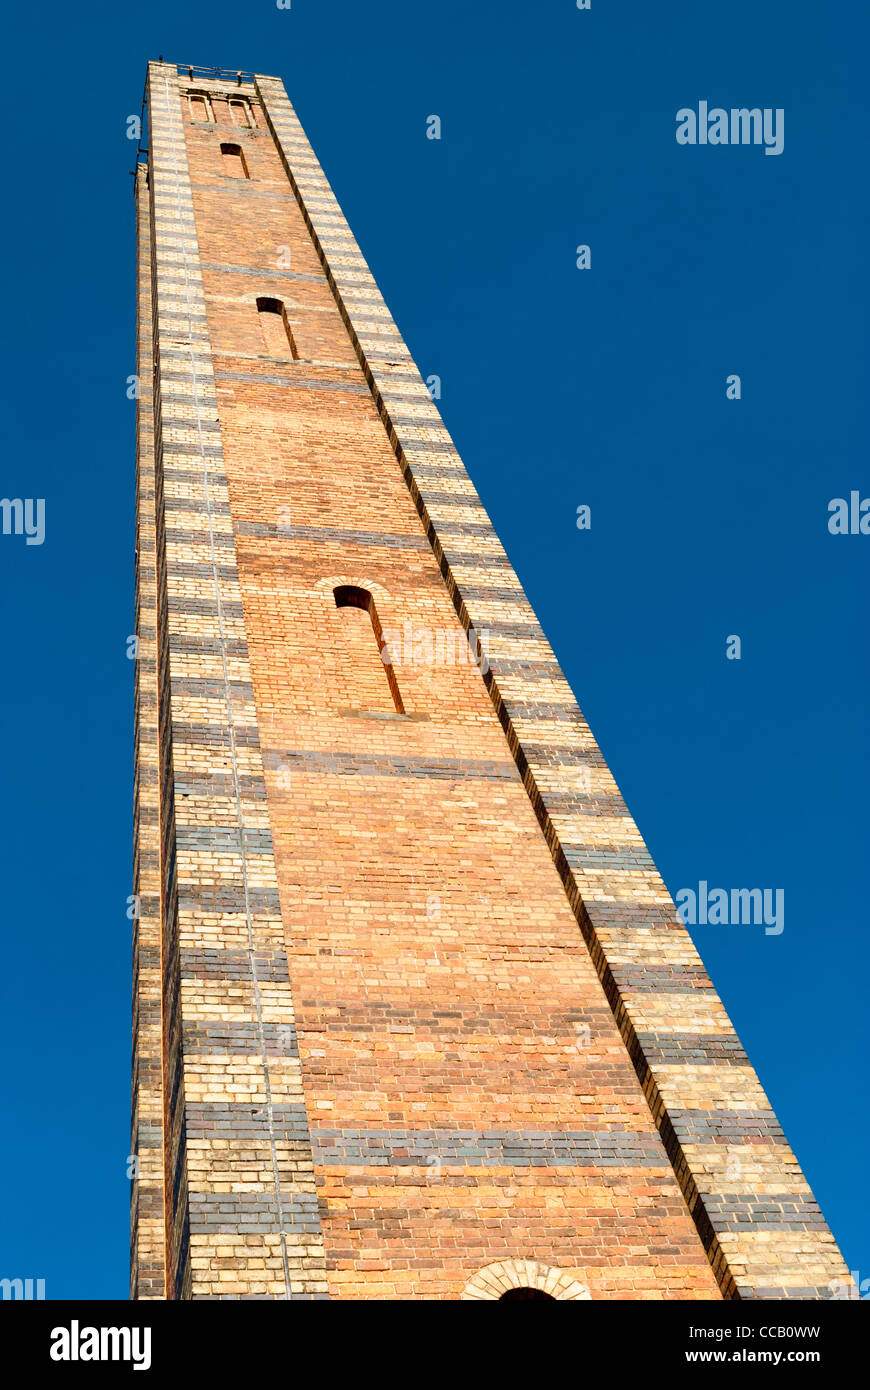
[(327, 586), (494, 1280)]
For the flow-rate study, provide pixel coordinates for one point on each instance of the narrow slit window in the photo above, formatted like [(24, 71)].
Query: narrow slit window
[(525, 1291), (352, 597), (275, 327), (234, 162)]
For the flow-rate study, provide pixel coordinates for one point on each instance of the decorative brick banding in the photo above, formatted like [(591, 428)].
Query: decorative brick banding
[(414, 1014)]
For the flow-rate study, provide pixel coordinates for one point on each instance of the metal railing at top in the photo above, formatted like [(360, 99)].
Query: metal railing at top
[(195, 70)]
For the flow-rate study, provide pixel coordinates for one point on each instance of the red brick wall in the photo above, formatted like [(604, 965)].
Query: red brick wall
[(460, 1113)]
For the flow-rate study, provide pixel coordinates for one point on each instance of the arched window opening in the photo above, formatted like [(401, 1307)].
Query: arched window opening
[(199, 109), (234, 162), (517, 1278), (274, 325), (350, 596), (523, 1291), (239, 113)]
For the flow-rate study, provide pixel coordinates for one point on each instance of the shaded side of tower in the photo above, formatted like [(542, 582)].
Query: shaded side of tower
[(414, 1015)]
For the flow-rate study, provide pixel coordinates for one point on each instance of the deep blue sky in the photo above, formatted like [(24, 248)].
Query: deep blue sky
[(561, 387)]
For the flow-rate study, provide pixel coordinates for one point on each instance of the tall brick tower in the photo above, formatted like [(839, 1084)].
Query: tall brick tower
[(413, 1012)]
